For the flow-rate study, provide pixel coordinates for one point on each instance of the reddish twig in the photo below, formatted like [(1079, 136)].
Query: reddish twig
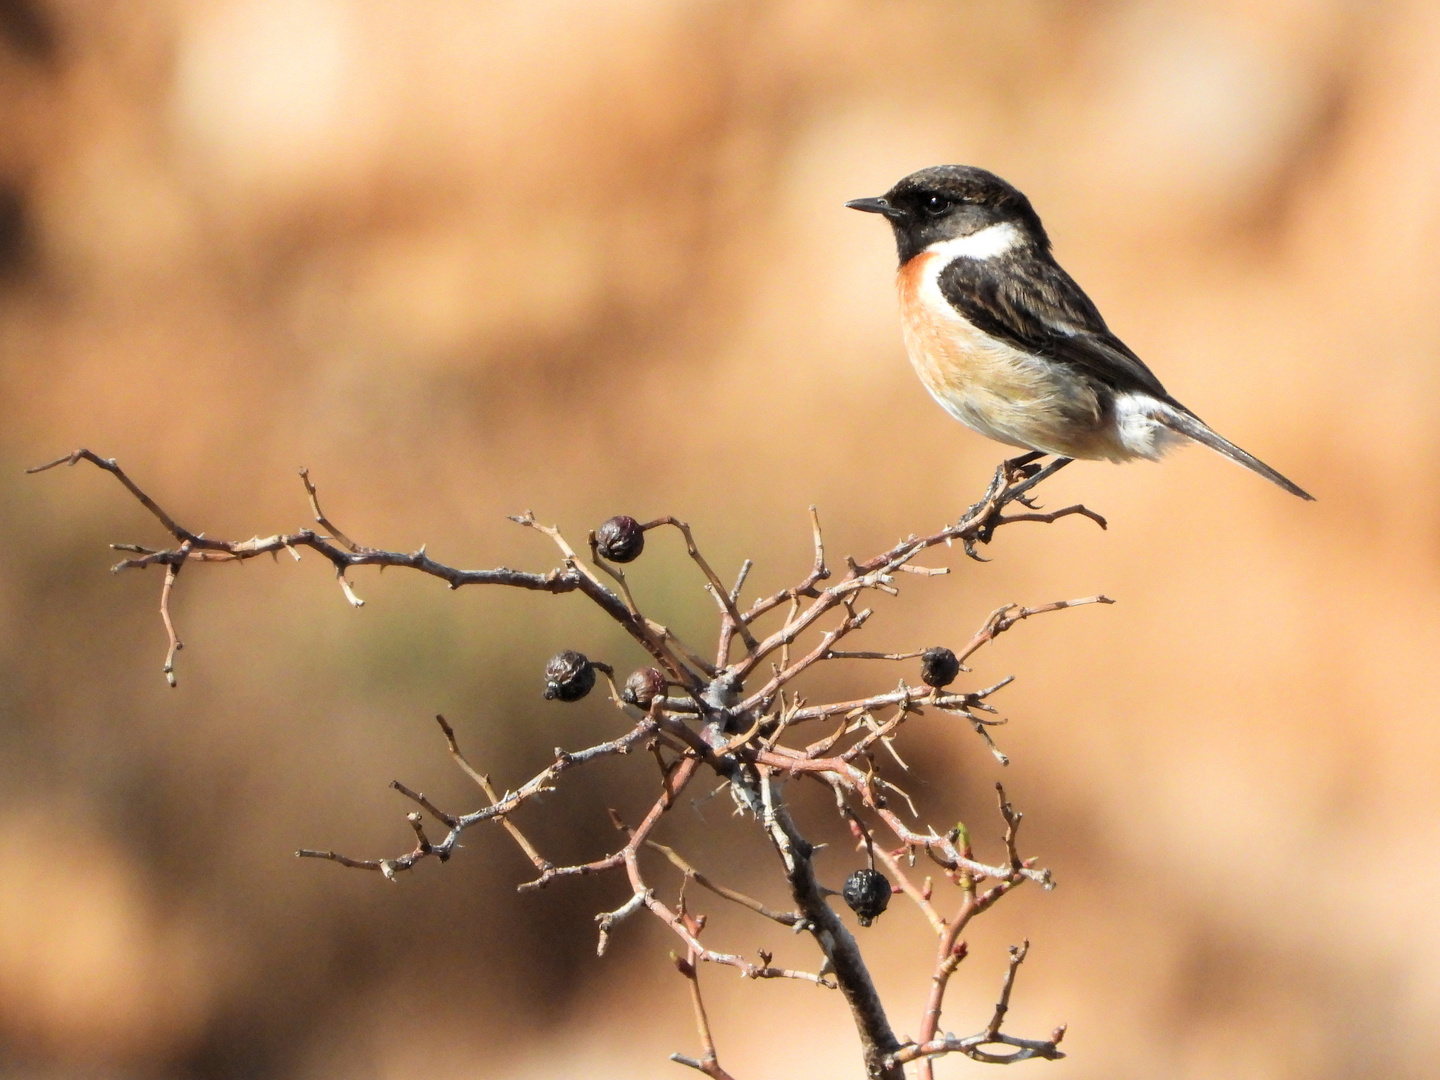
[(707, 1062), (1006, 616), (973, 1047)]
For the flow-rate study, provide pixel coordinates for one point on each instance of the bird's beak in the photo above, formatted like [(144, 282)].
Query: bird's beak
[(876, 205)]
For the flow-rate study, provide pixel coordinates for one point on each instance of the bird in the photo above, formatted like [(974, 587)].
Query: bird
[(1006, 341)]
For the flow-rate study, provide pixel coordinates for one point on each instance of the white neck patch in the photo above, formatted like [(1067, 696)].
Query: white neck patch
[(986, 243)]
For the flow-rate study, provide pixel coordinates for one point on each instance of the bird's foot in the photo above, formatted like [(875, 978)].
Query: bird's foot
[(1024, 466), (1019, 475), (1025, 473)]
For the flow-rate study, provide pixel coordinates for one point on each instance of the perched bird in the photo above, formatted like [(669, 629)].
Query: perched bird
[(1005, 340)]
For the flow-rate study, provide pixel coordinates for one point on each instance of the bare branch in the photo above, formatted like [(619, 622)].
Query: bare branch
[(973, 1047), (1006, 616), (707, 1063), (109, 465), (842, 953), (836, 654), (340, 538), (511, 801), (785, 918), (745, 568), (675, 782), (541, 863), (721, 594), (609, 919), (742, 735), (419, 799)]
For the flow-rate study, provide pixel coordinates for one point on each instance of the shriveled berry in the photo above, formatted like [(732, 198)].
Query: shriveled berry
[(569, 676), (643, 687), (621, 539), (867, 892), (938, 667)]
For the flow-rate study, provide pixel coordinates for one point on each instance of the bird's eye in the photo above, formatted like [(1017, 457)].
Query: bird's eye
[(936, 205)]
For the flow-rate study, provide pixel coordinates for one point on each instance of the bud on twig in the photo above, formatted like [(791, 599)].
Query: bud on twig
[(643, 687), (569, 676), (938, 667), (867, 892), (621, 539)]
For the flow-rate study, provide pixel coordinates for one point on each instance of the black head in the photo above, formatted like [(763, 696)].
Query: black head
[(947, 201)]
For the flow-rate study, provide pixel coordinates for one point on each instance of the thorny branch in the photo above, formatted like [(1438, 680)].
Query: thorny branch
[(973, 1046), (741, 735)]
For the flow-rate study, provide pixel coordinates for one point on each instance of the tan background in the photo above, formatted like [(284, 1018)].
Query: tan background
[(466, 258)]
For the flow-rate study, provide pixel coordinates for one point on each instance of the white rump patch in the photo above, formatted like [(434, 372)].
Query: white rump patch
[(986, 243), (1138, 426)]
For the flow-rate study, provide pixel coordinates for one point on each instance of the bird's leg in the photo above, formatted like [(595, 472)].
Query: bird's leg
[(1023, 468), (1016, 464), (1028, 474), (1037, 477)]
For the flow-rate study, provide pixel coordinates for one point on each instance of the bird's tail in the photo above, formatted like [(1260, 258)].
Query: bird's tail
[(1193, 427)]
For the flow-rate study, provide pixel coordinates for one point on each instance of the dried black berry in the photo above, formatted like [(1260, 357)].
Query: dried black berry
[(569, 676), (621, 539), (867, 892), (643, 687), (938, 667)]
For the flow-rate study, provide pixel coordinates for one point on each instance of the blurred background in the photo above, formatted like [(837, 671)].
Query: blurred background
[(466, 258)]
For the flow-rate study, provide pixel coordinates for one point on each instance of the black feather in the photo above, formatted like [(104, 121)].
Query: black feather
[(1187, 423), (1027, 300)]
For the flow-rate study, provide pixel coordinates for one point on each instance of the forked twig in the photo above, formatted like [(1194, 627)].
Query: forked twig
[(721, 594), (707, 1062), (1007, 615), (541, 863)]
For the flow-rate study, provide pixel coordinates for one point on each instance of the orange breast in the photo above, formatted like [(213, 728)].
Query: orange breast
[(954, 359), (928, 338), (1002, 392)]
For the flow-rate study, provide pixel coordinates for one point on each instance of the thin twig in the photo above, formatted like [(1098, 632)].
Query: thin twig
[(541, 863), (171, 572), (1006, 616), (707, 1063), (838, 654), (745, 568), (721, 593), (320, 519), (973, 1046), (785, 918), (609, 919)]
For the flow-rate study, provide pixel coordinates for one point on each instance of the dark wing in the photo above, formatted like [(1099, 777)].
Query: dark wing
[(1025, 299)]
